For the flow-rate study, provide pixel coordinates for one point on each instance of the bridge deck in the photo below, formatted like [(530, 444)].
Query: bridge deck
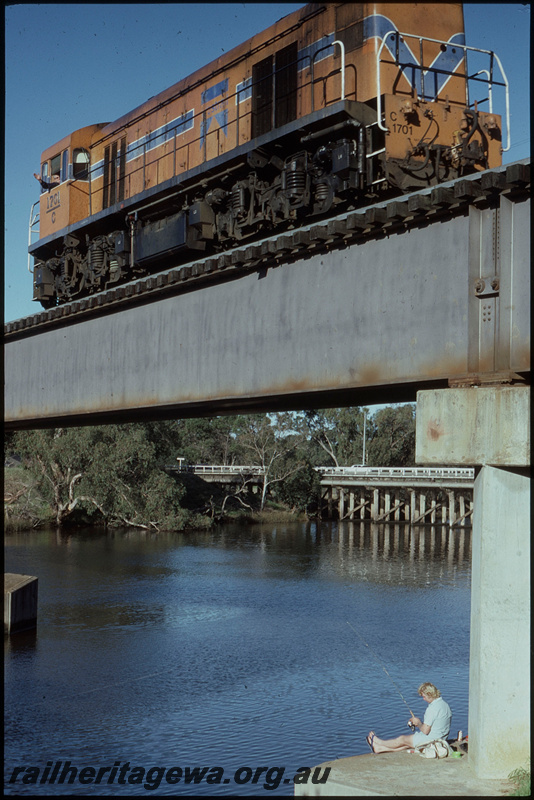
[(451, 477)]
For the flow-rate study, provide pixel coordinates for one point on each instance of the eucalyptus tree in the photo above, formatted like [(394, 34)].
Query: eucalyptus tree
[(271, 442), (392, 443), (339, 432), (109, 472)]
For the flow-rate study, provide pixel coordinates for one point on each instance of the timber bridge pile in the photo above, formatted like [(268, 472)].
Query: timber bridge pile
[(409, 495), (418, 209)]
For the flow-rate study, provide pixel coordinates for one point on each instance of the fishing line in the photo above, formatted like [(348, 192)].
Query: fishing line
[(383, 667)]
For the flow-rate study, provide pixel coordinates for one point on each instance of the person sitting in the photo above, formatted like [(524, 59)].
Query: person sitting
[(435, 725), (54, 181)]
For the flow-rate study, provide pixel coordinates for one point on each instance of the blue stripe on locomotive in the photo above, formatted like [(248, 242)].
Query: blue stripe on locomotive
[(379, 26), (218, 89), (375, 25)]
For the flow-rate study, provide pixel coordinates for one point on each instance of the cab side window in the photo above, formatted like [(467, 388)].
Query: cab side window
[(44, 175), (80, 164), (55, 166)]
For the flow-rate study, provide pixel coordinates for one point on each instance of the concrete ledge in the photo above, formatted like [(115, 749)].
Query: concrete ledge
[(20, 602), (402, 775), (474, 426)]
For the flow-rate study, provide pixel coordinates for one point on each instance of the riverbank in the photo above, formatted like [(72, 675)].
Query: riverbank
[(25, 507)]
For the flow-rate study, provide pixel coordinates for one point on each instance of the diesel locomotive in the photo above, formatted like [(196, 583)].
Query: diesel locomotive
[(335, 106)]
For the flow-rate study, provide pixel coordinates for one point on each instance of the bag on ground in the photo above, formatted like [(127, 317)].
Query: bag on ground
[(436, 749)]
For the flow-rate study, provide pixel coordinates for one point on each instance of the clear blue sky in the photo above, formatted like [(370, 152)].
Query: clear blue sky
[(73, 65)]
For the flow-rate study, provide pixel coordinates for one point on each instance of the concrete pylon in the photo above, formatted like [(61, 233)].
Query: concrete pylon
[(488, 427), (499, 664)]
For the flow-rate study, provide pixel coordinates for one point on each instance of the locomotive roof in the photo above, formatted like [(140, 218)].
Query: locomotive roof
[(203, 74), (76, 138)]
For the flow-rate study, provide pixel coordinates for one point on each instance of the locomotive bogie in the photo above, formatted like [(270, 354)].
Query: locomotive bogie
[(323, 110)]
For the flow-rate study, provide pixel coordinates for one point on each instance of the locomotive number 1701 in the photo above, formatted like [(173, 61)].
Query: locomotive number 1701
[(52, 202)]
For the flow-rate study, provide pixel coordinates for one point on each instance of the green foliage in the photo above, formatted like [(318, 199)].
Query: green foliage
[(392, 439), (338, 432), (110, 473), (300, 488), (271, 442), (204, 441), (130, 485), (521, 779), (23, 504)]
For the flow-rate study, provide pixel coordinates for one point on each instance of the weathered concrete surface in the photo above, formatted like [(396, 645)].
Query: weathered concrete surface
[(499, 668), (475, 425), (490, 426), (20, 602), (402, 775)]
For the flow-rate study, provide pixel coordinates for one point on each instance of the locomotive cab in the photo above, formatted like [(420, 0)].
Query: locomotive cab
[(65, 167), (68, 201)]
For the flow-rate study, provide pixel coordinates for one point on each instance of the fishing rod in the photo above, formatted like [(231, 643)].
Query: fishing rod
[(385, 670)]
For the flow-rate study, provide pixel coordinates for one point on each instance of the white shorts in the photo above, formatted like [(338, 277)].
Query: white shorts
[(420, 738)]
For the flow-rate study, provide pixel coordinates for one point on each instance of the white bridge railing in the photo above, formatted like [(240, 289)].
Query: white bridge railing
[(374, 473), (224, 469), (407, 473)]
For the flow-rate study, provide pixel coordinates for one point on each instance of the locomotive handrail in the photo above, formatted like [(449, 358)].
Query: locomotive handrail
[(490, 90), (34, 220), (312, 64), (491, 81)]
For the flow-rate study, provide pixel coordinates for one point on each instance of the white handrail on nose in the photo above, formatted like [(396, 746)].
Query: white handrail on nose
[(34, 219), (465, 49)]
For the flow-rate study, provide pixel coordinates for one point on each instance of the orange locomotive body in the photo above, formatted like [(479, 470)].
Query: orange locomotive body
[(330, 108)]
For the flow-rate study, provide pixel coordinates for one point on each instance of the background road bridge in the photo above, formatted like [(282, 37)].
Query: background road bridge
[(415, 495)]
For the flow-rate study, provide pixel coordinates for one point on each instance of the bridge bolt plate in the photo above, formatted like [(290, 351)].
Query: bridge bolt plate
[(487, 287)]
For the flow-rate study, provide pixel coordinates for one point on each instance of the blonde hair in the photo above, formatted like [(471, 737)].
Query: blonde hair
[(429, 689)]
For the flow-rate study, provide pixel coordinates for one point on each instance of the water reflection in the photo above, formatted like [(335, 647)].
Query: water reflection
[(231, 646)]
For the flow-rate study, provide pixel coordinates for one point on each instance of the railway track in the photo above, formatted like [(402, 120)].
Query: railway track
[(387, 216)]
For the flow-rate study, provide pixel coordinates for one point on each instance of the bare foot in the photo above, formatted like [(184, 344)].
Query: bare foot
[(377, 745)]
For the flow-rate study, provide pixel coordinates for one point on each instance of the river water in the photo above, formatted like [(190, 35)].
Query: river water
[(227, 649)]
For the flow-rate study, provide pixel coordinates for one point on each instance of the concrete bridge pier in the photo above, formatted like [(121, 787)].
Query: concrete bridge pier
[(488, 427)]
